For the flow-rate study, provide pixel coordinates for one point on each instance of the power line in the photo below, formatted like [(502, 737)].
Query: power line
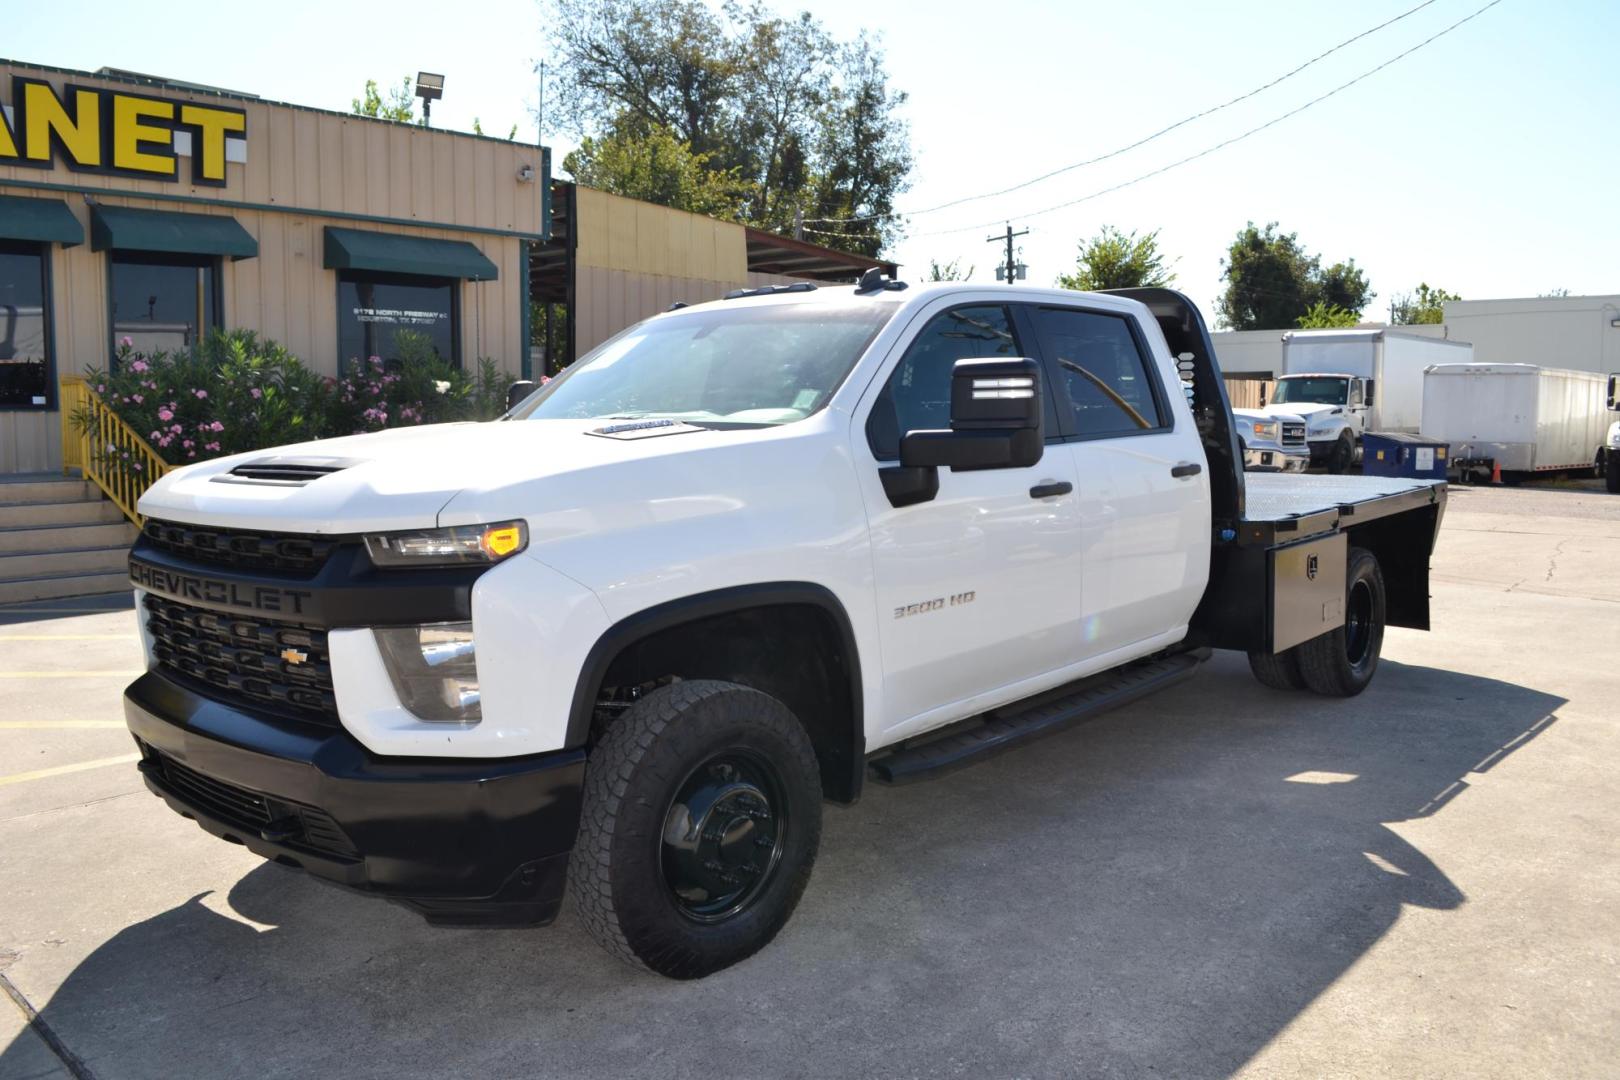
[(1149, 138), (1227, 142)]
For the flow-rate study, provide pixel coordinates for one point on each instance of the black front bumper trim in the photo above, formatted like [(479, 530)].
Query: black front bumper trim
[(463, 842)]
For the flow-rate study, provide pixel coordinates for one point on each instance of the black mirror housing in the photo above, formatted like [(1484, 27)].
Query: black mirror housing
[(1367, 395), (995, 393), (997, 410), (518, 391)]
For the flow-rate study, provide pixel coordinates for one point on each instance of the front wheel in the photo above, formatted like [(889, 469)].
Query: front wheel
[(1341, 662), (1611, 477), (1343, 455), (701, 819)]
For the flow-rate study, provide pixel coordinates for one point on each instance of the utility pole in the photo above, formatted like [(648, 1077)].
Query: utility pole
[(1012, 270)]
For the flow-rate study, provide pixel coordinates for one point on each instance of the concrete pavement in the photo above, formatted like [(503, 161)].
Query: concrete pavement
[(1222, 879)]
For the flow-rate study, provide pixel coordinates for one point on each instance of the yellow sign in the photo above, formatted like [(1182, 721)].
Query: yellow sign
[(115, 131)]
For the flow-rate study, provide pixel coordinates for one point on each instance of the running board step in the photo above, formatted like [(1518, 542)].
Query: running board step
[(980, 737)]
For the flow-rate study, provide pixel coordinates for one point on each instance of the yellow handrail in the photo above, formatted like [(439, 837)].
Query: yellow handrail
[(105, 449)]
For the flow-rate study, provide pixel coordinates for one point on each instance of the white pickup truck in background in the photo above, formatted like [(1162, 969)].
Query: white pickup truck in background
[(628, 637)]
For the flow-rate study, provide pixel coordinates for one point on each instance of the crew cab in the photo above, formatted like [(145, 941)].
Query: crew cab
[(730, 564)]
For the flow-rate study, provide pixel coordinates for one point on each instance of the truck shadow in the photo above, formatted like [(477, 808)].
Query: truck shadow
[(1162, 890)]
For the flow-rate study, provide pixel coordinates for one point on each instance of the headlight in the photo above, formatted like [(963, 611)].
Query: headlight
[(454, 546), (434, 670), (1265, 430)]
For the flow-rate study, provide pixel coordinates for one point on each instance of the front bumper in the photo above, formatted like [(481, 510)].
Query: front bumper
[(1261, 459), (463, 842)]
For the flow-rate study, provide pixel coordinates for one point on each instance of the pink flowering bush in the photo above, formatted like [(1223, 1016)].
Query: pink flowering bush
[(239, 392)]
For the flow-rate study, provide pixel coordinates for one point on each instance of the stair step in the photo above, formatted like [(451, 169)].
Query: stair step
[(980, 737), (60, 586), (13, 492), (36, 564), (25, 515), (71, 537)]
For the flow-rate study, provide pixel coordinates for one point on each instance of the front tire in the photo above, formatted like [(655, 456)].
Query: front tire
[(1341, 662), (1343, 455), (1611, 477), (701, 820)]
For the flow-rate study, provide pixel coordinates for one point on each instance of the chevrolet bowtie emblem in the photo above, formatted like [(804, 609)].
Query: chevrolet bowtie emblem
[(294, 656)]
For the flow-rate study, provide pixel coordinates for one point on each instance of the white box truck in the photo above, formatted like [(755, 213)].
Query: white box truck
[(1523, 419), (1349, 382)]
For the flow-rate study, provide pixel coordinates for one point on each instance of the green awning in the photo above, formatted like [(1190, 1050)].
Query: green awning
[(164, 230), (48, 221), (391, 253)]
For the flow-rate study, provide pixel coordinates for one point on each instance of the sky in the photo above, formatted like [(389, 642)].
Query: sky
[(1486, 163)]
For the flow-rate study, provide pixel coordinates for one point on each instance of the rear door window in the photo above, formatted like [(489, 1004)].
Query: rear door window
[(1104, 379)]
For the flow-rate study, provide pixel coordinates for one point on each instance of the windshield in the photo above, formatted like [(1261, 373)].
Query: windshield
[(718, 366), (1316, 391)]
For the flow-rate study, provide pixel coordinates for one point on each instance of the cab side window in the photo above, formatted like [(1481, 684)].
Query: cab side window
[(918, 393), (1106, 377), (1355, 393)]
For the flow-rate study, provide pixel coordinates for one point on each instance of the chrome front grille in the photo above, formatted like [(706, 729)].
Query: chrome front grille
[(1293, 436)]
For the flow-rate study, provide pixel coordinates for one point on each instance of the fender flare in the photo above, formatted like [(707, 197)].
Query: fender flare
[(661, 617)]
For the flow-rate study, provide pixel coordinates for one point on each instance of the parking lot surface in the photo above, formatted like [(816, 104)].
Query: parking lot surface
[(1222, 879)]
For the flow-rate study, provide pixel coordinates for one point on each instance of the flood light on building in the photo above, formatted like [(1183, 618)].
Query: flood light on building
[(430, 88)]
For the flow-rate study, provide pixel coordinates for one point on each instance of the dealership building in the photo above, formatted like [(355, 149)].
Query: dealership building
[(139, 208)]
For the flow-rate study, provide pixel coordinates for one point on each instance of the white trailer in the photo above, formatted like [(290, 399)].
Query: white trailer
[(1521, 418)]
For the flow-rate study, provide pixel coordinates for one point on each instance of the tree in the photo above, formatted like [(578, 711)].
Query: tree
[(947, 271), (1326, 316), (1554, 294), (1422, 305), (1116, 260), (399, 105), (478, 129), (656, 167), (1272, 283), (807, 123)]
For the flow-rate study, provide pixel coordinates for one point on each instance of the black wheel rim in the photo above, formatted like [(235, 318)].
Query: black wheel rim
[(723, 836), (1358, 624)]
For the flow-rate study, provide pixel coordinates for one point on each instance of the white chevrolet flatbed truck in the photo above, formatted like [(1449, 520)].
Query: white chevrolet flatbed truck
[(630, 636)]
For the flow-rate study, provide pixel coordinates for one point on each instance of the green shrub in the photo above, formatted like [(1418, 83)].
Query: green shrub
[(240, 392)]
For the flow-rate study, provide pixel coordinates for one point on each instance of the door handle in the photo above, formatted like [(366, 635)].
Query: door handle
[(1186, 468), (1050, 488)]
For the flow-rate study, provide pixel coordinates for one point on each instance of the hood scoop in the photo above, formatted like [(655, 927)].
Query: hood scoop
[(284, 470)]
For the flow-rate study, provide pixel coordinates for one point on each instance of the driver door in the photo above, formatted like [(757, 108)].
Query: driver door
[(979, 587)]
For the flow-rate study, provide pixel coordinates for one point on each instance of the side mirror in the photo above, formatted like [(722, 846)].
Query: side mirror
[(1367, 394), (996, 414), (518, 391), (1614, 391)]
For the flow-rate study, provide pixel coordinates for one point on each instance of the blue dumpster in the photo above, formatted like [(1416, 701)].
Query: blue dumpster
[(1396, 453)]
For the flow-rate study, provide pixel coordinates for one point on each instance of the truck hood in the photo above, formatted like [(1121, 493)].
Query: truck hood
[(402, 478), (1303, 410)]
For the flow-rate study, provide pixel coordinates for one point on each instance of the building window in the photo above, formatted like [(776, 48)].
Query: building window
[(25, 327), (397, 317), (163, 303)]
